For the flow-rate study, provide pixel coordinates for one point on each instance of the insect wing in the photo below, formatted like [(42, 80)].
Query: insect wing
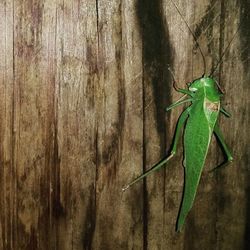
[(197, 138)]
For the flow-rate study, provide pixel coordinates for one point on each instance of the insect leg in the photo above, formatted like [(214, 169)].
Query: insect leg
[(219, 135), (222, 110), (178, 103), (185, 91), (157, 166), (180, 125)]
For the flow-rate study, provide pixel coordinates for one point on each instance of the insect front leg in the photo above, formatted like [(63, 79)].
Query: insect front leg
[(177, 103), (220, 137), (160, 164), (185, 91)]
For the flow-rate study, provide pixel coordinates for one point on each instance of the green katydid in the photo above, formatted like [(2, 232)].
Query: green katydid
[(200, 121)]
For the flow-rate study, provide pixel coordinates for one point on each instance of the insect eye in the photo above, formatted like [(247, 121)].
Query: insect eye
[(193, 89)]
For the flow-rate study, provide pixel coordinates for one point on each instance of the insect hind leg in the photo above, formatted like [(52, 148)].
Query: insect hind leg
[(160, 164), (220, 137)]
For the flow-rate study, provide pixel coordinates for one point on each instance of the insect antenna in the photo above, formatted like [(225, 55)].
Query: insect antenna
[(224, 52), (194, 37)]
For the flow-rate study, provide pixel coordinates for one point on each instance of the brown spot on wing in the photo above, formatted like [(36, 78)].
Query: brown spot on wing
[(212, 106)]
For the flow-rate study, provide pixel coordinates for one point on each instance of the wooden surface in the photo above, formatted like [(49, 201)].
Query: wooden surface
[(83, 87)]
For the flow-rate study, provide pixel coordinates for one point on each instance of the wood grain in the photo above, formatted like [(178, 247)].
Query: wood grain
[(83, 87)]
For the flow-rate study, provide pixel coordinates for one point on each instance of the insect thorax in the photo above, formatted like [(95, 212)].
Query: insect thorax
[(205, 86)]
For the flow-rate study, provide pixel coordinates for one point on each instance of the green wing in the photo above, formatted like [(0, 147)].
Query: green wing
[(197, 138)]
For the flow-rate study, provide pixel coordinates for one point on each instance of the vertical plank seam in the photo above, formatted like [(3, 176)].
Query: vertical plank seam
[(97, 25), (97, 125), (145, 196), (221, 45), (3, 202), (56, 153), (221, 40), (13, 172)]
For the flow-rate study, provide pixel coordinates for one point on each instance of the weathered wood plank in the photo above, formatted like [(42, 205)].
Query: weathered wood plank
[(205, 19), (7, 171), (34, 124), (156, 56), (119, 138), (233, 182), (77, 70)]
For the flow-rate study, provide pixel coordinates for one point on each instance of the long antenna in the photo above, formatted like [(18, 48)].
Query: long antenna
[(224, 52), (194, 37)]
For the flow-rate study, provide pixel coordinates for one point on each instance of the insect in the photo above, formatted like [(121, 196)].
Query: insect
[(200, 122)]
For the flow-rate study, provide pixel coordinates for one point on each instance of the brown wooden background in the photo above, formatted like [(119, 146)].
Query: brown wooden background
[(83, 87)]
